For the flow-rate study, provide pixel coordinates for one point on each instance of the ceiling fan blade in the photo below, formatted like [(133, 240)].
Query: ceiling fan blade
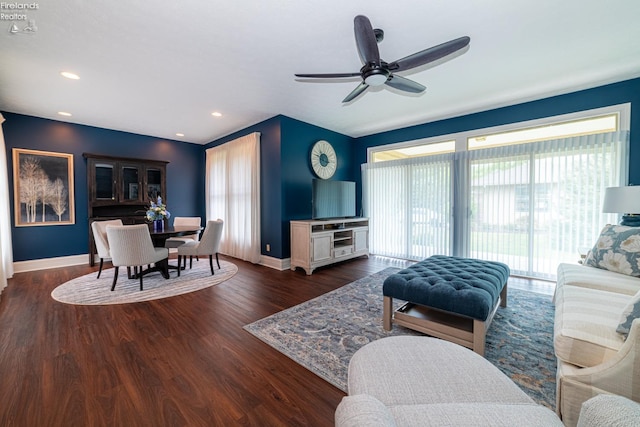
[(404, 84), (328, 76), (429, 55), (357, 91), (366, 40)]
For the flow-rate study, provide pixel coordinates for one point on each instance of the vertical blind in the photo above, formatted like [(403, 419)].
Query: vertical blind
[(529, 205), (408, 205), (534, 205)]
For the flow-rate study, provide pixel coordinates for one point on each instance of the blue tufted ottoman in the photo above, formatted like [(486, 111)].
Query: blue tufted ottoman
[(447, 297)]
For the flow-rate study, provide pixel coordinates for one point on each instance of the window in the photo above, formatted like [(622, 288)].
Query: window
[(417, 150), (526, 194), (586, 126), (232, 189)]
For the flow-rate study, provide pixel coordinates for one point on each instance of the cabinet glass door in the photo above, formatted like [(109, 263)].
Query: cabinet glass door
[(154, 183), (105, 181), (130, 183)]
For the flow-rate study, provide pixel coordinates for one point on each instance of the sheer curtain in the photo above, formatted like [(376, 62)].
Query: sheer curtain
[(530, 205), (233, 194), (6, 251), (408, 203)]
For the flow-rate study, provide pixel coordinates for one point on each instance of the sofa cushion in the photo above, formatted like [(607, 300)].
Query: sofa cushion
[(629, 314), (585, 325), (596, 278), (617, 249), (397, 369)]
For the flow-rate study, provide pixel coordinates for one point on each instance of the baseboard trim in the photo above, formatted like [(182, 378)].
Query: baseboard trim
[(68, 261), (46, 263), (275, 263)]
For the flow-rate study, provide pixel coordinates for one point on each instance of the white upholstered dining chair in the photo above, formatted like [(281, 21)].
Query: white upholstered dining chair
[(174, 242), (131, 246), (208, 245), (99, 229)]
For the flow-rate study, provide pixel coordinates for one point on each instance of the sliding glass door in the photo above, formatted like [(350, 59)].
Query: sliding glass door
[(411, 199), (530, 204), (535, 205)]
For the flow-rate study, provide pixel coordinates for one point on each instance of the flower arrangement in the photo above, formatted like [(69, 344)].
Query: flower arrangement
[(157, 211)]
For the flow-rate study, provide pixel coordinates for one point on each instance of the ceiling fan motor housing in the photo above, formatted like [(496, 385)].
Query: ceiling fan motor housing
[(376, 75)]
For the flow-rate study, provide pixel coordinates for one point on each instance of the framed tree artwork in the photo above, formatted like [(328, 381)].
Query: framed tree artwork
[(43, 188)]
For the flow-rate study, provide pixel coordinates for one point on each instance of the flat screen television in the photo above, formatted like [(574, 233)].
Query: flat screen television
[(333, 199)]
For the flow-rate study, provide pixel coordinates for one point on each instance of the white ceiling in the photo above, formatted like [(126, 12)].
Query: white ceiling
[(160, 68)]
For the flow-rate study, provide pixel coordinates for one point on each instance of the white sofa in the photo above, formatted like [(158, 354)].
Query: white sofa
[(424, 381), (407, 381), (593, 358)]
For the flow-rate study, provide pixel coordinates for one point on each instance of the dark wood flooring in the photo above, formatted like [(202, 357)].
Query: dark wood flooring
[(181, 361)]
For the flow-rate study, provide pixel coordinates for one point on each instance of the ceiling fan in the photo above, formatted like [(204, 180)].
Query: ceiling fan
[(376, 72)]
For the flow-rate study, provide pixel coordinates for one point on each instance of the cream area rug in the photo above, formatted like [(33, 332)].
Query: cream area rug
[(87, 290)]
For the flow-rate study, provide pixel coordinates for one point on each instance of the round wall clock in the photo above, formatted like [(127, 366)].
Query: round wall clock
[(323, 159)]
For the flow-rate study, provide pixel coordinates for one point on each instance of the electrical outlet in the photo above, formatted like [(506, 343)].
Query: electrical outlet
[(268, 247)]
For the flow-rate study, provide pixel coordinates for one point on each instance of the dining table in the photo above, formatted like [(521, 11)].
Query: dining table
[(160, 236)]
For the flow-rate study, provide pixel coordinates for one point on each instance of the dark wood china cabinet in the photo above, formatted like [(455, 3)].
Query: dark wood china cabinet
[(123, 188)]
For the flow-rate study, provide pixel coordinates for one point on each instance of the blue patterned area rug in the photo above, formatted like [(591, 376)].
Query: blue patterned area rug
[(322, 334)]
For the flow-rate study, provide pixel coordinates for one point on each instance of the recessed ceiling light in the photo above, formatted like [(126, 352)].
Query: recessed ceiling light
[(70, 75), (216, 114), (64, 113), (179, 134)]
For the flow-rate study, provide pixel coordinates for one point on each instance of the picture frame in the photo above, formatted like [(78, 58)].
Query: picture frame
[(43, 188), (133, 191), (153, 191)]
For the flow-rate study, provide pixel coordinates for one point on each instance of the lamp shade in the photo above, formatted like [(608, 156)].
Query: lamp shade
[(622, 200)]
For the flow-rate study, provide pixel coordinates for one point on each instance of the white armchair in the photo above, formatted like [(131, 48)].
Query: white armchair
[(619, 375), (131, 246), (208, 245), (593, 357), (99, 229)]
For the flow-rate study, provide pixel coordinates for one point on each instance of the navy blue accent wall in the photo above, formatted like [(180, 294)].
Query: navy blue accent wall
[(297, 140), (602, 96), (270, 178), (185, 172), (285, 146)]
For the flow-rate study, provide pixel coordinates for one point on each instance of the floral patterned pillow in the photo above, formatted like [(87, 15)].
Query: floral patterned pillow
[(617, 249), (629, 314)]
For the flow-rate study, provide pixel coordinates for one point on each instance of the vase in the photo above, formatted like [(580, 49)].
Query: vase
[(158, 225)]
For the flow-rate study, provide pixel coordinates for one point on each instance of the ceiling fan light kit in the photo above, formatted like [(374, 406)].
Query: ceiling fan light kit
[(376, 77), (376, 72)]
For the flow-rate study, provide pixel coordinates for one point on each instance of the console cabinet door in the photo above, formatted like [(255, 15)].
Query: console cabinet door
[(321, 245), (361, 240)]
